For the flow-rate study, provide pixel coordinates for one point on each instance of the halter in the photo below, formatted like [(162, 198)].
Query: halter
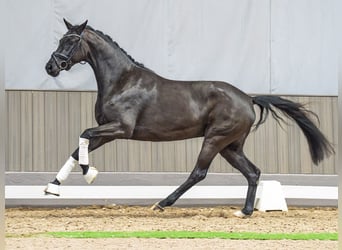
[(66, 59)]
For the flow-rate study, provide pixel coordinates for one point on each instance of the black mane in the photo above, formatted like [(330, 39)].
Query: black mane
[(111, 41)]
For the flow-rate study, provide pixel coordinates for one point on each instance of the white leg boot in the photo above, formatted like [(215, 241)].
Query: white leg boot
[(62, 175), (83, 159), (90, 176)]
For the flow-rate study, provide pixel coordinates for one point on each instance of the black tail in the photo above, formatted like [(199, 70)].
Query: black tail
[(319, 146)]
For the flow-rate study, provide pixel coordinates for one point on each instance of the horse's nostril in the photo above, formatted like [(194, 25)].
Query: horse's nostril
[(49, 67)]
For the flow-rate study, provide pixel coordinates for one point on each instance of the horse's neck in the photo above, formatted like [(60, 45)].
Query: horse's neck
[(109, 63)]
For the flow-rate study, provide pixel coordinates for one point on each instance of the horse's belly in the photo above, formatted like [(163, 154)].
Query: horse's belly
[(165, 133)]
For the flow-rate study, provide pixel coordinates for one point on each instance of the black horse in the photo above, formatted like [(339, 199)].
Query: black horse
[(135, 103)]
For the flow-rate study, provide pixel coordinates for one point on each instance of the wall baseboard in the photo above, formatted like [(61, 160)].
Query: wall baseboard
[(141, 188)]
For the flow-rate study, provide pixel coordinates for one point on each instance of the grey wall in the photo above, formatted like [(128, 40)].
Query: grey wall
[(261, 46)]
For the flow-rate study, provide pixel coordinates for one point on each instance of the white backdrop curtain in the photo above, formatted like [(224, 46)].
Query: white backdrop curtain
[(260, 46)]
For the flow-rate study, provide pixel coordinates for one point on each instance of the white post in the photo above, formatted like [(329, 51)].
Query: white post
[(339, 150), (3, 127), (338, 19)]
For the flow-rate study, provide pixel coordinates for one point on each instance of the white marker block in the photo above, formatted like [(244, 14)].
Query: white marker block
[(270, 197)]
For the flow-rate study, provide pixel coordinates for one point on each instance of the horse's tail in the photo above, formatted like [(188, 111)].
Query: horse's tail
[(319, 146)]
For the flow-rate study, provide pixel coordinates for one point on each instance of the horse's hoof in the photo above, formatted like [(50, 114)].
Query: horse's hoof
[(156, 206), (52, 189), (240, 214), (90, 176)]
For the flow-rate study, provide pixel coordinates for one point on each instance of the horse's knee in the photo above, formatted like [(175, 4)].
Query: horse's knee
[(86, 134)]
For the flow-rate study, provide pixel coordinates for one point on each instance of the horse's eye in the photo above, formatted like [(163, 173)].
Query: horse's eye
[(64, 64)]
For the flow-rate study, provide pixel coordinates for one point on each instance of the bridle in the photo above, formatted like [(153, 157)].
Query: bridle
[(65, 61)]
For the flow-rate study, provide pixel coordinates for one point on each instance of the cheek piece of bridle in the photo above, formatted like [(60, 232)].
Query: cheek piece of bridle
[(65, 60)]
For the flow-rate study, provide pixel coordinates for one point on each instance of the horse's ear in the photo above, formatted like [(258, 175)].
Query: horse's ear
[(67, 24), (80, 28)]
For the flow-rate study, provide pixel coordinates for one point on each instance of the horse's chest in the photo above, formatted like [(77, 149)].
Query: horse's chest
[(119, 107), (119, 104)]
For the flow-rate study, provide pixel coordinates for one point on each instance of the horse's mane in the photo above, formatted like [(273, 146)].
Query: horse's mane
[(114, 43)]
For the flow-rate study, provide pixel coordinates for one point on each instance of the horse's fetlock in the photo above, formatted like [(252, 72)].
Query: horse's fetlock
[(85, 169)]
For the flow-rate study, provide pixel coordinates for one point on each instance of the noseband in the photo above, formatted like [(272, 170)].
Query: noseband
[(65, 60)]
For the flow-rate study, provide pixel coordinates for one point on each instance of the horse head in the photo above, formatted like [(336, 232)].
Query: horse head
[(69, 51)]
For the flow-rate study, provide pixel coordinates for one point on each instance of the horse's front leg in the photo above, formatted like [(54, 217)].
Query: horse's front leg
[(89, 173), (89, 140)]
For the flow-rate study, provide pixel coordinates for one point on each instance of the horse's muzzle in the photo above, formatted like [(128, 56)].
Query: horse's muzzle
[(52, 69)]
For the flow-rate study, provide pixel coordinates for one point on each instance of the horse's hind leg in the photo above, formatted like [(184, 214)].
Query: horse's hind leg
[(235, 156), (207, 154)]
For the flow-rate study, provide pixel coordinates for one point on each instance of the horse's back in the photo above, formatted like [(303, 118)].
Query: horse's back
[(185, 109)]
